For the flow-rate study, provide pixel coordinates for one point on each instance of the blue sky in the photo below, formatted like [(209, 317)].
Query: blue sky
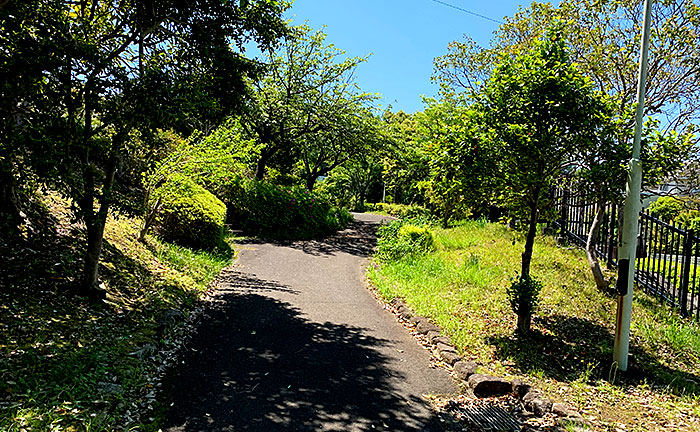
[(403, 36)]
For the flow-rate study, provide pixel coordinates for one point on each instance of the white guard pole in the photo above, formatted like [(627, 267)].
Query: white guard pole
[(628, 243)]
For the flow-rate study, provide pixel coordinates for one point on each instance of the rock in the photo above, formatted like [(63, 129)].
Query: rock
[(415, 319), (532, 394), (563, 410), (434, 336), (445, 347), (450, 357), (442, 339), (424, 326), (464, 369), (521, 388), (397, 302), (405, 312), (108, 388), (487, 385), (539, 406)]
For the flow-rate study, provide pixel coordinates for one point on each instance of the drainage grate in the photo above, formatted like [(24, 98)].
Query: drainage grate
[(487, 418)]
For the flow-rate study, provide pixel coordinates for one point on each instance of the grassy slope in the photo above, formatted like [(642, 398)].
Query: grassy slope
[(66, 364), (461, 287)]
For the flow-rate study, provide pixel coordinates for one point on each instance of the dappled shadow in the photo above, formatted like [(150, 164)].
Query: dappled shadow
[(256, 364), (236, 282), (358, 239), (570, 348), (43, 253)]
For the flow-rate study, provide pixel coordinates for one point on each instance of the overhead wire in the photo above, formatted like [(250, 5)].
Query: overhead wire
[(468, 11)]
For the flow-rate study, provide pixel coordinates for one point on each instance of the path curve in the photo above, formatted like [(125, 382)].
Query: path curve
[(294, 341)]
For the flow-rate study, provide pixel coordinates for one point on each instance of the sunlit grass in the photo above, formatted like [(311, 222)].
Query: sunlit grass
[(461, 286)]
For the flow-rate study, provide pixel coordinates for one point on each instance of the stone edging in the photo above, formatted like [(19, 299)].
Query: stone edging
[(481, 385)]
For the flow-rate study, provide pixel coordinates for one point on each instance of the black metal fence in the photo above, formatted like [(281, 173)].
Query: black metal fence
[(668, 256)]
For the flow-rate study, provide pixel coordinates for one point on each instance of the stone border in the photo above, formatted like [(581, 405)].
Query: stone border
[(481, 385)]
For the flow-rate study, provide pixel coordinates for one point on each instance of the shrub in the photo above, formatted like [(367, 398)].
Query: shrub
[(283, 212), (190, 215), (401, 238), (524, 295)]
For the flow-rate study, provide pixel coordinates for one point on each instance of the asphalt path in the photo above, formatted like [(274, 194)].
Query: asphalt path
[(294, 341)]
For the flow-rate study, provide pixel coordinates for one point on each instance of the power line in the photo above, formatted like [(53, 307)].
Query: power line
[(468, 11)]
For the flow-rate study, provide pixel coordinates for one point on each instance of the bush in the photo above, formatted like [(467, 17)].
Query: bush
[(288, 212), (524, 296), (190, 215), (401, 238)]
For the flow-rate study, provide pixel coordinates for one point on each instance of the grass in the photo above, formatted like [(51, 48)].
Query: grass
[(461, 286), (67, 364)]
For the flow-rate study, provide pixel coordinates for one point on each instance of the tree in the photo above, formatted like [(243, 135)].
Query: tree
[(212, 161), (603, 37), (541, 114), (599, 173), (308, 87), (461, 161), (352, 130), (122, 65), (404, 159), (28, 113)]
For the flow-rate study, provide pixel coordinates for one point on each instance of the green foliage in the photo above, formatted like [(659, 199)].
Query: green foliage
[(307, 107), (681, 211), (405, 161), (667, 208), (350, 184), (461, 160), (401, 238), (523, 294), (216, 162), (402, 211), (190, 215), (284, 212), (543, 115)]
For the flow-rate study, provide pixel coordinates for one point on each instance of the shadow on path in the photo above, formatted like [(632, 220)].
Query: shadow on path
[(256, 364), (358, 239)]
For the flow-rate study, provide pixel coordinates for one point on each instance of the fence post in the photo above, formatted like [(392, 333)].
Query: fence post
[(564, 214), (685, 278), (611, 235)]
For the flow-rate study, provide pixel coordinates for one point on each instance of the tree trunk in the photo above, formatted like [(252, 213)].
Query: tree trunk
[(148, 220), (525, 315), (9, 202), (593, 263), (530, 240), (261, 167), (311, 182), (95, 222), (524, 322)]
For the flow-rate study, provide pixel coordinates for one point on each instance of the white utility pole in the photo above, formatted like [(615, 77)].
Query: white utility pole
[(628, 245)]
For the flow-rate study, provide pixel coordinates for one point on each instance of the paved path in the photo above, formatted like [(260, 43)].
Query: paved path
[(295, 342)]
